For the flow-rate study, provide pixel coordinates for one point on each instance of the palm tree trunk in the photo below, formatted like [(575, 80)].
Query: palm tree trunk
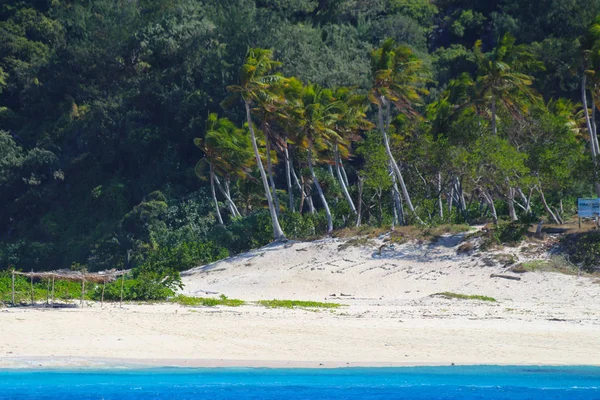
[(228, 192), (397, 198), (395, 168), (225, 192), (270, 173), (341, 179), (344, 172), (288, 176), (277, 231), (319, 190), (593, 137), (360, 202), (330, 170), (593, 120), (214, 195)]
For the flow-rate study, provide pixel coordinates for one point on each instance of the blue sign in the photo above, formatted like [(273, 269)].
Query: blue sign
[(588, 208)]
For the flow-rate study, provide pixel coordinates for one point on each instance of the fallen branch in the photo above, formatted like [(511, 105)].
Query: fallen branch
[(512, 278)]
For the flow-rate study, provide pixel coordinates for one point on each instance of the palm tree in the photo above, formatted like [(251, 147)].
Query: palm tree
[(227, 152), (352, 119), (256, 81), (397, 77), (501, 78), (315, 113)]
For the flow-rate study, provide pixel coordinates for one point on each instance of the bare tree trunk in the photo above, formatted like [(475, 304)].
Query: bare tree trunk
[(277, 231), (300, 186), (288, 176), (546, 207), (225, 192), (511, 204), (214, 194), (270, 174), (490, 203), (319, 190), (440, 202), (526, 200), (395, 166), (360, 202), (341, 179), (450, 200), (593, 137)]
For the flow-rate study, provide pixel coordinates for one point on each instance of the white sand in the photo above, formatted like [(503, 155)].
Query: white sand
[(390, 317)]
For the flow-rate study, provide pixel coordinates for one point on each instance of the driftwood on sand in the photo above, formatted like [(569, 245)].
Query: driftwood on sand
[(512, 278)]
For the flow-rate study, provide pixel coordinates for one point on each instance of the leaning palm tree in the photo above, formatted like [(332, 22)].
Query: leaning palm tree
[(315, 116), (352, 120), (590, 79), (256, 81), (227, 153), (398, 76)]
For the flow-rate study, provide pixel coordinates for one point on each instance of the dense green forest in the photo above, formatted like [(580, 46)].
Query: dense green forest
[(130, 130)]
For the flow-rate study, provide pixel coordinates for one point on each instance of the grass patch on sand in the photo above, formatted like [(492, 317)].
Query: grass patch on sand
[(450, 295), (403, 234), (556, 264), (207, 301), (297, 304), (362, 241)]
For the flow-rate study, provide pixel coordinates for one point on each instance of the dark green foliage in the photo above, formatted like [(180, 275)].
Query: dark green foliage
[(100, 102), (583, 248), (510, 234)]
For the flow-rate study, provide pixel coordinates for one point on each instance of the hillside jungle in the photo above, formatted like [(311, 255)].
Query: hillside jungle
[(159, 135)]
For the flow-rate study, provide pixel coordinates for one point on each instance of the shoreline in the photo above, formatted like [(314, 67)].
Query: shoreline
[(8, 364)]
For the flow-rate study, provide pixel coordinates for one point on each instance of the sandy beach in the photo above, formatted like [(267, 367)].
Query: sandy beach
[(390, 314)]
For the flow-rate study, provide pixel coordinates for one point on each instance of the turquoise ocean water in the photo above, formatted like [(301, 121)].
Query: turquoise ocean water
[(466, 383)]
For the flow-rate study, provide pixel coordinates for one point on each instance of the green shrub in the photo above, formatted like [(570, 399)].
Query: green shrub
[(583, 248), (510, 234)]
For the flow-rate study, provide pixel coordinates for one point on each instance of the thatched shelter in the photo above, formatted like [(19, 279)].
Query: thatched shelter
[(103, 278)]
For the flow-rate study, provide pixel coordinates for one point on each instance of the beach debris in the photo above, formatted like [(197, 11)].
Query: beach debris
[(510, 277)]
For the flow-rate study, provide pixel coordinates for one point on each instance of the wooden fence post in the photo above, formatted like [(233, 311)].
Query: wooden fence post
[(103, 287), (82, 290), (31, 282), (52, 291), (122, 284), (13, 287)]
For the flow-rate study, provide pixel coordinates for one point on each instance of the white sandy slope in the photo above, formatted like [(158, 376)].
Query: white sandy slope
[(390, 316)]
